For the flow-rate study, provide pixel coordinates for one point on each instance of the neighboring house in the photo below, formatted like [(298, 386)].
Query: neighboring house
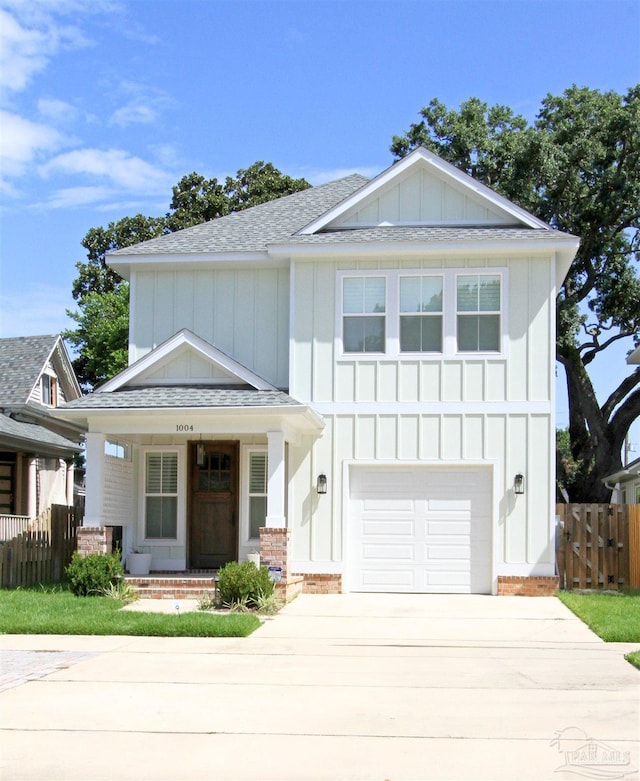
[(36, 449), (365, 369), (625, 484)]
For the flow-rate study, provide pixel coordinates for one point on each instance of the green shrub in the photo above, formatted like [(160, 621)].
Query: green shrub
[(93, 574), (244, 583)]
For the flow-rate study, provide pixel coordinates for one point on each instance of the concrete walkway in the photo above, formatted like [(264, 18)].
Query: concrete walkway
[(334, 687)]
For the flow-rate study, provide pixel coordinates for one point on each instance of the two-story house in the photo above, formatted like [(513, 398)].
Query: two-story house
[(364, 370), (37, 450)]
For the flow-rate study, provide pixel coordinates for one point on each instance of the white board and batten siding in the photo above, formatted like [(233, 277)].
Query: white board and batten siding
[(419, 529)]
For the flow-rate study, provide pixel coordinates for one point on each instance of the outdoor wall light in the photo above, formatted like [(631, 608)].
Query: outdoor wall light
[(518, 484), (200, 454), (321, 485)]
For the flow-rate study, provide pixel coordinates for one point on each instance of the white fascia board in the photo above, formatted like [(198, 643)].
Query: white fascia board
[(293, 420), (124, 265), (188, 338), (565, 246), (449, 171)]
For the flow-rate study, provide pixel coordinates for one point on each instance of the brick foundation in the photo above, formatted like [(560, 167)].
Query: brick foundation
[(522, 586), (93, 539), (322, 584)]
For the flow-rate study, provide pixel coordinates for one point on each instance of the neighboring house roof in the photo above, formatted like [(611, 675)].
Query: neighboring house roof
[(22, 359), (32, 436), (630, 472), (25, 423)]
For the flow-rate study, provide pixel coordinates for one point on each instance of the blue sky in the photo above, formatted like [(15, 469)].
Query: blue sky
[(107, 104)]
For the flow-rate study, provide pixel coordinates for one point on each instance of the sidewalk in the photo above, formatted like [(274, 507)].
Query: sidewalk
[(335, 687)]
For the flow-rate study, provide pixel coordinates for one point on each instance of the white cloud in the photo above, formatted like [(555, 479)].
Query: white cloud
[(27, 46), (115, 166), (69, 197), (57, 110), (23, 141), (143, 106)]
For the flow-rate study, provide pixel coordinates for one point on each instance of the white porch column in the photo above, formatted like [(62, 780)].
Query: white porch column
[(69, 488), (32, 488), (276, 480), (95, 480)]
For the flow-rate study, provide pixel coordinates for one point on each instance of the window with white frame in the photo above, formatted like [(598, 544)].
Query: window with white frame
[(478, 312), (364, 313), (421, 314), (161, 495), (255, 494)]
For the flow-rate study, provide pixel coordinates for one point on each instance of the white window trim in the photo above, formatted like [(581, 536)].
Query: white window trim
[(245, 473), (449, 313), (382, 315), (180, 539)]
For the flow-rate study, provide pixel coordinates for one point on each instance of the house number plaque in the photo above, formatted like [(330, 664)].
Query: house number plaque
[(184, 427)]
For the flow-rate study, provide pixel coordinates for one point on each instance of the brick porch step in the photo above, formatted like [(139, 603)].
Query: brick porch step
[(162, 586)]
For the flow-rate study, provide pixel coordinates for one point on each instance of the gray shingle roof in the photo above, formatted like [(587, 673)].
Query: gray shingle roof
[(253, 229), (22, 359), (400, 233), (163, 397), (32, 435)]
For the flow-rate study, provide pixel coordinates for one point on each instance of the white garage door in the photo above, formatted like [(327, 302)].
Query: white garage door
[(420, 530)]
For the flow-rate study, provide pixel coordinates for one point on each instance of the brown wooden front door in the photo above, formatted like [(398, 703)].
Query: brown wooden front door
[(213, 532)]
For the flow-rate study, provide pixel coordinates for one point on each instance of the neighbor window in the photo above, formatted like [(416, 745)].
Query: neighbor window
[(478, 313), (257, 492), (161, 495), (49, 390), (421, 314), (363, 309)]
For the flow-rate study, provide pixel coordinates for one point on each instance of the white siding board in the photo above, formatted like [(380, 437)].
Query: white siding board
[(452, 385), (430, 437), (452, 437), (365, 379), (537, 490), (496, 381), (323, 332), (387, 439), (365, 437), (474, 438), (430, 381), (516, 461), (387, 381), (408, 429), (409, 381), (345, 382), (474, 388)]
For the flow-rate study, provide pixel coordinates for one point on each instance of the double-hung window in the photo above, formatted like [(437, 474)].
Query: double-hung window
[(478, 312), (364, 313), (421, 314), (161, 495)]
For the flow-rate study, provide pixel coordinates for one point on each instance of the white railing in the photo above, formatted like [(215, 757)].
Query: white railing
[(13, 525)]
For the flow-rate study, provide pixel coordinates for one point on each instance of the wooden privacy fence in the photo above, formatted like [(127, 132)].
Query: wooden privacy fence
[(40, 554), (598, 546)]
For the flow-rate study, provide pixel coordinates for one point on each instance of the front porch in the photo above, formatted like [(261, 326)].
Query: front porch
[(197, 585)]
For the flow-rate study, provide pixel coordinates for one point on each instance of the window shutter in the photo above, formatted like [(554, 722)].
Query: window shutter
[(258, 473)]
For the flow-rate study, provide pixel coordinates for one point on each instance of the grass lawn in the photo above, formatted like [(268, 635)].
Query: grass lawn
[(59, 612), (613, 617)]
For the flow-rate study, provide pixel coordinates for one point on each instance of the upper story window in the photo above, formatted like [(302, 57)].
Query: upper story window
[(399, 312), (478, 313), (364, 314), (421, 314), (49, 389)]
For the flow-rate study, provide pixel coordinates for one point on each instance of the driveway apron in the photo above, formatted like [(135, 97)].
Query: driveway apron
[(334, 687)]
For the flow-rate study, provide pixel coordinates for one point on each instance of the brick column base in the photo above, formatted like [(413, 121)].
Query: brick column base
[(523, 586), (274, 549), (93, 539)]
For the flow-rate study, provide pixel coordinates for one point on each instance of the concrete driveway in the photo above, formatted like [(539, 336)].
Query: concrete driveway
[(335, 687)]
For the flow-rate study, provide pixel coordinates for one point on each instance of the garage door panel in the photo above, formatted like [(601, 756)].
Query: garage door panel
[(388, 552), (449, 528), (448, 552), (388, 578), (396, 528), (422, 529)]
